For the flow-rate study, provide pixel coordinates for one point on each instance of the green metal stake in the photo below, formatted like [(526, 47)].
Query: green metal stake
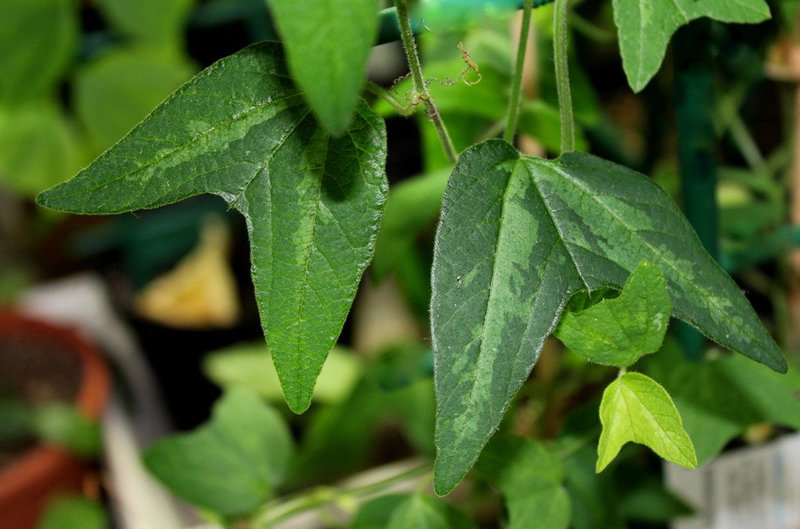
[(694, 102)]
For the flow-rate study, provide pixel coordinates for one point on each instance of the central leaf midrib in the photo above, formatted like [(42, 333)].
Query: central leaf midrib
[(298, 353), (489, 304), (555, 224)]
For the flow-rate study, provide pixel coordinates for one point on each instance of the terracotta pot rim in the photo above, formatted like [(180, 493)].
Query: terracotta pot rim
[(42, 461)]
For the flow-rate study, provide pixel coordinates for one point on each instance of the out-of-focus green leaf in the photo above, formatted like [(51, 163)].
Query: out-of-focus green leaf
[(115, 91), (719, 399), (376, 513), (636, 408), (543, 122), (412, 205), (341, 437), (230, 465), (650, 502), (530, 477), (38, 39), (327, 45), (424, 512), (73, 512), (154, 22), (66, 426), (594, 498), (39, 148), (250, 366), (620, 330)]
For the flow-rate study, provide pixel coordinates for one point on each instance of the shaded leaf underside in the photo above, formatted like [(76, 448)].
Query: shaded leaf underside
[(518, 236), (241, 130)]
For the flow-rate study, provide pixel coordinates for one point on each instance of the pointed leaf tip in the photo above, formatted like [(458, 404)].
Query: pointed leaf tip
[(312, 202), (328, 44)]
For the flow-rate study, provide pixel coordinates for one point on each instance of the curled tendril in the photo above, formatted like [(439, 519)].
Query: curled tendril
[(413, 99)]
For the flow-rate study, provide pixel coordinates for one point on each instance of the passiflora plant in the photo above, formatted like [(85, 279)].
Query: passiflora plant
[(526, 246)]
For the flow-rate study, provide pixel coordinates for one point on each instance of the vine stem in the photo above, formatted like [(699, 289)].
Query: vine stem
[(414, 65), (287, 508), (560, 49), (516, 84)]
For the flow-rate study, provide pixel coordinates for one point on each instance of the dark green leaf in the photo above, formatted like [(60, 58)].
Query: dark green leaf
[(424, 512), (594, 497), (650, 502), (618, 331), (73, 512), (518, 236), (645, 27), (327, 44), (312, 203), (230, 465), (37, 43), (530, 477), (412, 205), (636, 408)]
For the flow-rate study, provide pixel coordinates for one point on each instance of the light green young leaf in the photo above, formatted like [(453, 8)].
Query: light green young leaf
[(720, 398), (327, 44), (250, 366), (646, 26), (530, 477), (312, 203), (635, 408), (230, 465), (618, 331), (424, 512), (518, 236), (38, 40)]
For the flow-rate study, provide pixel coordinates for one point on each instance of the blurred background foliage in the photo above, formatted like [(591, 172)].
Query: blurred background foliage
[(77, 75)]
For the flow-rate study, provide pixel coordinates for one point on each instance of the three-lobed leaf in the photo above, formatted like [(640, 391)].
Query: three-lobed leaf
[(328, 43), (312, 203), (620, 330), (646, 26), (519, 235), (636, 408), (230, 465)]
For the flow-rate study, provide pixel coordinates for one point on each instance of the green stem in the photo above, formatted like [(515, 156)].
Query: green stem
[(516, 84), (287, 508), (560, 49), (414, 65), (402, 108)]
